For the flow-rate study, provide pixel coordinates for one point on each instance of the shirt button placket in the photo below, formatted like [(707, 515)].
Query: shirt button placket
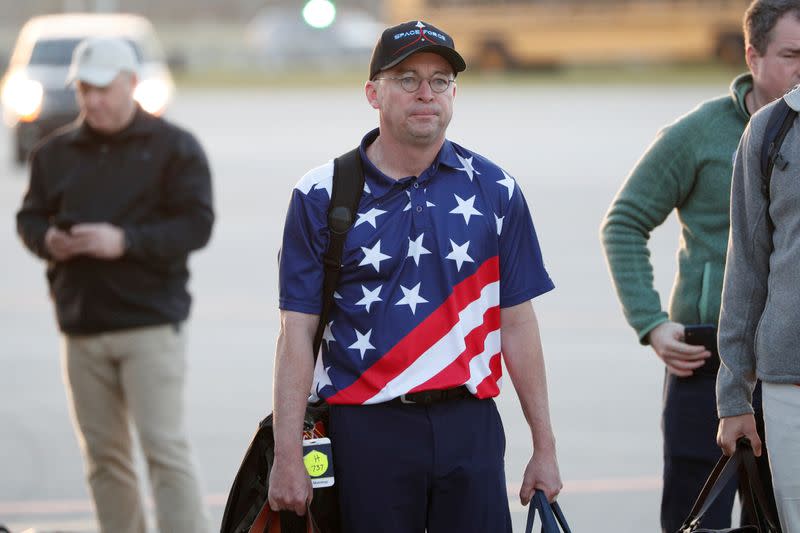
[(102, 159), (418, 206)]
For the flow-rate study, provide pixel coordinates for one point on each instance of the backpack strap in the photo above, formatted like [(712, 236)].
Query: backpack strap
[(780, 121), (348, 185)]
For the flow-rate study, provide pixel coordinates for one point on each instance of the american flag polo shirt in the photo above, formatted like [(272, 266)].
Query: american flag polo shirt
[(426, 267)]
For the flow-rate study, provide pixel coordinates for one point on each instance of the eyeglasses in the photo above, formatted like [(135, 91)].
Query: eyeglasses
[(411, 84)]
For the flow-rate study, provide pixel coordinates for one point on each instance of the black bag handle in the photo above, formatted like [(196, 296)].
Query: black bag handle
[(723, 472), (553, 520), (719, 478), (757, 495), (307, 521)]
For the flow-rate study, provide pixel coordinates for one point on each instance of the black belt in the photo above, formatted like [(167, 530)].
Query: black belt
[(429, 397)]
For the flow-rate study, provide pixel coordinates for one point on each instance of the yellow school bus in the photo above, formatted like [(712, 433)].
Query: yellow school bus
[(495, 34)]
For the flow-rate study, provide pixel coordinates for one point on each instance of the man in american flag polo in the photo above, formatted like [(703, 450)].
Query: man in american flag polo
[(437, 275)]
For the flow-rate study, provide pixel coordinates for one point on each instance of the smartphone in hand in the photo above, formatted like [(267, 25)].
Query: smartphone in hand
[(64, 222), (701, 335)]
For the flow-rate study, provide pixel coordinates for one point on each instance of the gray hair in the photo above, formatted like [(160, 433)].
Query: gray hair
[(760, 19)]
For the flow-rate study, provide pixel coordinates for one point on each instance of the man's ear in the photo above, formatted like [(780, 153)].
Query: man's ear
[(753, 59), (133, 81), (371, 91)]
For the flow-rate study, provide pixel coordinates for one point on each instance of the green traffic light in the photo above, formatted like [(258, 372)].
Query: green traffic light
[(319, 13)]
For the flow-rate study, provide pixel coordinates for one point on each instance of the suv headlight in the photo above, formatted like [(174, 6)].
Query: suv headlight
[(22, 98), (153, 95)]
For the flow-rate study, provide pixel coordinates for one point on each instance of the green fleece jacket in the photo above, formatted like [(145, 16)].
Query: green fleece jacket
[(688, 168)]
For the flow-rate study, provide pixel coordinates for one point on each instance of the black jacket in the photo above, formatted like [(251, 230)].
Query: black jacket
[(152, 179)]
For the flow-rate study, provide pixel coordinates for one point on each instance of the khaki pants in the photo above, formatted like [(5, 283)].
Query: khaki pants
[(782, 423), (137, 374)]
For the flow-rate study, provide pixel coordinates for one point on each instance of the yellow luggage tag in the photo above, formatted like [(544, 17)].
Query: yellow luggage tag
[(318, 458)]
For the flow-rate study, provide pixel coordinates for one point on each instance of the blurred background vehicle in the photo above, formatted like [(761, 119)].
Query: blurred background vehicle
[(35, 97), (319, 36), (229, 41)]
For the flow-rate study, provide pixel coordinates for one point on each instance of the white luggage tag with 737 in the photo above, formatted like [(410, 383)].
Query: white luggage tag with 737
[(318, 458)]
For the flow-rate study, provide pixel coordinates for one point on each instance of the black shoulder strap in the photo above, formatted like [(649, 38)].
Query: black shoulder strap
[(348, 185), (780, 120)]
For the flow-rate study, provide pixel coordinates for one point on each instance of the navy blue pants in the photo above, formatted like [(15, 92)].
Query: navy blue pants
[(690, 425), (413, 468)]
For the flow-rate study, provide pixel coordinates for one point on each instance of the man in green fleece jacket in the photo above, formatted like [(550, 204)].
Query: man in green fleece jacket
[(688, 168)]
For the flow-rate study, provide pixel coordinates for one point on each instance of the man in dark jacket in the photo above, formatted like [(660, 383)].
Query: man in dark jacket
[(116, 203)]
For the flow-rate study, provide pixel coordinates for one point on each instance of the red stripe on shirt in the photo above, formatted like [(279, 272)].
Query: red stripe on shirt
[(421, 338), (457, 373), (488, 388)]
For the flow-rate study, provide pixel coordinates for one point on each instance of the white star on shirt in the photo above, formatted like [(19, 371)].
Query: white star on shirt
[(465, 208), (373, 256), (324, 380), (327, 335), (468, 168), (411, 298), (408, 205), (369, 216), (415, 248), (459, 254), (508, 183), (499, 221), (326, 184), (427, 203), (362, 343), (370, 297)]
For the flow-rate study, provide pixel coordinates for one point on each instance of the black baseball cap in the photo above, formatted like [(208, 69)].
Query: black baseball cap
[(399, 42)]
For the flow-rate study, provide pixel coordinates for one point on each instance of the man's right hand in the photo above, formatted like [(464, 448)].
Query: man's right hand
[(681, 359), (732, 428), (59, 244), (289, 486)]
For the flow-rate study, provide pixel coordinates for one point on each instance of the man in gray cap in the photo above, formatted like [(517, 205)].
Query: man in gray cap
[(116, 203), (433, 297)]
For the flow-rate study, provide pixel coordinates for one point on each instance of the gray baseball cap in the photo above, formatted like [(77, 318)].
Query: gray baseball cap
[(98, 60)]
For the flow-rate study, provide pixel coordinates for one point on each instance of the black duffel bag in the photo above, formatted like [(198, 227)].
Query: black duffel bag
[(247, 509)]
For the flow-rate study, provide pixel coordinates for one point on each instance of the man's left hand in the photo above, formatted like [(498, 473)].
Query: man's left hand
[(542, 474), (99, 240)]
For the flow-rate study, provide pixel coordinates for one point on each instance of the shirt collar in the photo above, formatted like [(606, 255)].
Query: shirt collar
[(142, 125), (380, 184), (740, 86)]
